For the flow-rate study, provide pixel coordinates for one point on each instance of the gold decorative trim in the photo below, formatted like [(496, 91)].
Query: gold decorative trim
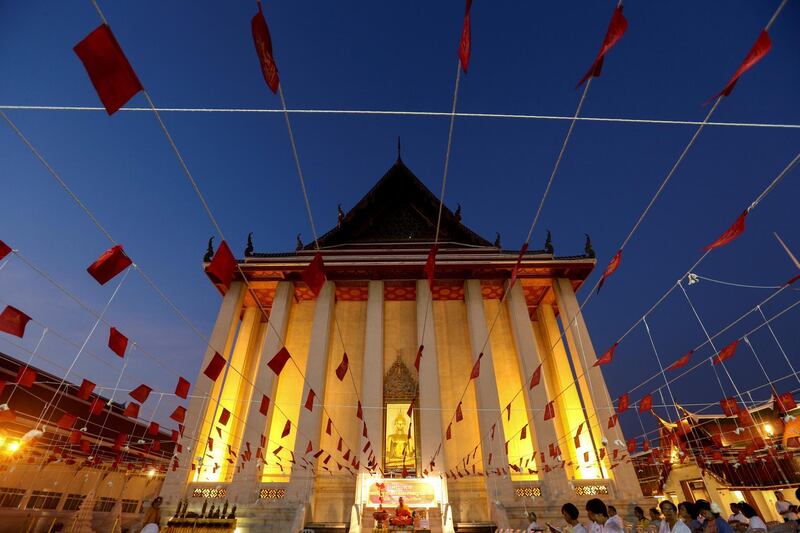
[(271, 494), (528, 492), (591, 490), (209, 493), (399, 383)]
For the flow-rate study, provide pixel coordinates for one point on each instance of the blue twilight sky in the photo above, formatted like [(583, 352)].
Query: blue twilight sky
[(526, 58)]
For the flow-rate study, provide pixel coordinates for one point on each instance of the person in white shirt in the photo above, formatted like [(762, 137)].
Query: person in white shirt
[(757, 525), (614, 517), (671, 523), (598, 513), (570, 514), (736, 515), (782, 505), (533, 526), (655, 519)]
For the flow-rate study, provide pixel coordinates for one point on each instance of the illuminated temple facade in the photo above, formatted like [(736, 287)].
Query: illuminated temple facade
[(377, 306)]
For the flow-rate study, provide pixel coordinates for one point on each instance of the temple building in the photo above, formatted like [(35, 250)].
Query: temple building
[(713, 457), (375, 385)]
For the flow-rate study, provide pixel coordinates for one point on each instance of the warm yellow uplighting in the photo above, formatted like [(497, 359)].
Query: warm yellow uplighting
[(12, 446), (768, 429), (151, 472)]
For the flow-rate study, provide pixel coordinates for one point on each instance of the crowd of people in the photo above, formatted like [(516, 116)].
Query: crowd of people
[(700, 516)]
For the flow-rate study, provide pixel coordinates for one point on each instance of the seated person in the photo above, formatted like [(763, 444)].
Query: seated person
[(402, 515)]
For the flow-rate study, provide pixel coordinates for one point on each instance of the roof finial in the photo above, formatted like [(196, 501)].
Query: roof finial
[(298, 243), (339, 215), (497, 243), (209, 251), (458, 213), (398, 150), (588, 251), (548, 244), (248, 251)]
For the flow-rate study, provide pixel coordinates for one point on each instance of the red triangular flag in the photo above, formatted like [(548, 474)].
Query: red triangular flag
[(537, 375), (222, 268), (108, 68), (140, 393), (84, 392), (476, 368), (725, 353), (314, 274), (607, 357), (410, 409), (683, 361), (612, 421), (729, 406), (430, 266), (112, 262), (730, 234), (277, 363), (179, 414), (759, 50), (263, 43), (131, 410), (341, 370), (214, 367), (286, 429), (419, 357), (549, 411), (26, 376), (329, 427), (117, 342), (616, 29), (646, 403), (182, 388), (622, 404), (785, 402), (264, 407), (224, 416), (459, 414), (449, 434), (310, 400), (4, 250), (309, 447), (515, 272), (360, 412), (524, 433), (13, 321), (465, 46), (153, 429), (610, 269), (631, 445), (744, 418)]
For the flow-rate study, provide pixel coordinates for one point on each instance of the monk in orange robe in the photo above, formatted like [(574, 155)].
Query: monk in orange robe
[(402, 515)]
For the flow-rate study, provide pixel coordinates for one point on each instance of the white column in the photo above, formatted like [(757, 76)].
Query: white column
[(310, 423), (488, 400), (555, 483), (372, 371), (430, 400), (593, 385), (221, 339), (265, 383)]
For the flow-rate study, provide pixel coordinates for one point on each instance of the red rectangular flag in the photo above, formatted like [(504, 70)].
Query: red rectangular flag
[(729, 406), (449, 434), (98, 404), (277, 363), (785, 402), (263, 43), (117, 342), (341, 370), (524, 433), (459, 414), (153, 428), (13, 321), (476, 368), (607, 357), (725, 353), (612, 421), (286, 429), (310, 400), (222, 268), (131, 410), (179, 414), (264, 407), (112, 262), (730, 234), (214, 367), (549, 411), (616, 29), (85, 390), (683, 361), (430, 266), (612, 267), (418, 359), (314, 274), (646, 403), (26, 376), (465, 45), (536, 377), (359, 412), (224, 416), (140, 393), (109, 70), (182, 388), (760, 48), (622, 404)]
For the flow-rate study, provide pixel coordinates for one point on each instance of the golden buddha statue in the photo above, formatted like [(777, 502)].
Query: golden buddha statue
[(400, 450)]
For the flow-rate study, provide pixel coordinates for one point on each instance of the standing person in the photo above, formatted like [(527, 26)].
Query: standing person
[(712, 522), (570, 514), (655, 518), (598, 513), (671, 524), (642, 523), (757, 525), (533, 526), (736, 514), (688, 512), (152, 518), (782, 505), (613, 516)]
